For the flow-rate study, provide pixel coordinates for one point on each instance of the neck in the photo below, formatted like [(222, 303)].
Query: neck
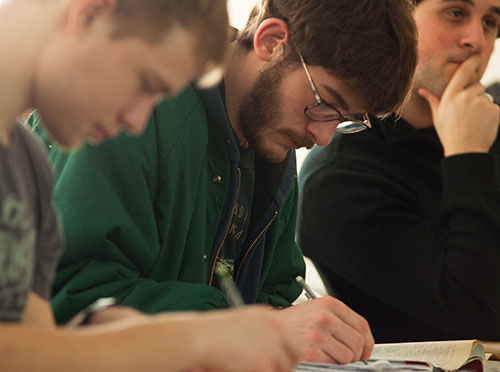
[(23, 27), (242, 70), (417, 111)]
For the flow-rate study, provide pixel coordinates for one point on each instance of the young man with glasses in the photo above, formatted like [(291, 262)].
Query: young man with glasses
[(212, 180), (403, 221)]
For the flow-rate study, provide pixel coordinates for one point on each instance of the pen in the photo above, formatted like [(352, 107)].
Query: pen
[(307, 290), (227, 284)]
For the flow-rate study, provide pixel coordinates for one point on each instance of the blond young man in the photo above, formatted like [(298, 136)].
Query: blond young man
[(93, 67)]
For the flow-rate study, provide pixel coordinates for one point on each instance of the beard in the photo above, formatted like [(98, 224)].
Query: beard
[(260, 112)]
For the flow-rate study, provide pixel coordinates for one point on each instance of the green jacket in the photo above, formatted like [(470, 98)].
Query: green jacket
[(144, 217)]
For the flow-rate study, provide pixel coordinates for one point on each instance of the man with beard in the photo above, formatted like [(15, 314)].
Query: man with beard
[(403, 221), (212, 180)]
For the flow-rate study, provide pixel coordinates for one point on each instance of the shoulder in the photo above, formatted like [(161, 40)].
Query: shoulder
[(176, 110), (37, 153), (179, 119)]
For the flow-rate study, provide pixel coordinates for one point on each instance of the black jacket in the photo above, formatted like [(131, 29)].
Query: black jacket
[(406, 237)]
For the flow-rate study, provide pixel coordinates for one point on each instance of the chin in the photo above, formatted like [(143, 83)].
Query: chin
[(66, 143)]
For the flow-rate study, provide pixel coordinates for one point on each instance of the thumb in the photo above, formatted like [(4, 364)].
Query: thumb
[(431, 98)]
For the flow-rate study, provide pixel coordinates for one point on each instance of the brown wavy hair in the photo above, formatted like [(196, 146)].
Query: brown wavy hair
[(371, 45)]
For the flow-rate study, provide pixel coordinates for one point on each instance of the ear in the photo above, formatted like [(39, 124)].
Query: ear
[(82, 14), (269, 38)]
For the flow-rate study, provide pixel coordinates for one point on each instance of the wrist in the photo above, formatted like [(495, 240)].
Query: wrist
[(465, 150), (202, 348)]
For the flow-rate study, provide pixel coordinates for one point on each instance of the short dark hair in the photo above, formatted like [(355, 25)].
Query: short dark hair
[(207, 20), (371, 45)]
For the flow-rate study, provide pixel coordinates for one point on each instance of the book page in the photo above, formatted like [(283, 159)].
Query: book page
[(492, 363), (448, 355), (369, 366)]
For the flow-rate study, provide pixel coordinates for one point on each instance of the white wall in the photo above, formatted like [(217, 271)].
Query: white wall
[(492, 73), (238, 11)]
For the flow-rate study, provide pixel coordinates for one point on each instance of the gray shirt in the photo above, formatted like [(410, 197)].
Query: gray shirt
[(30, 239)]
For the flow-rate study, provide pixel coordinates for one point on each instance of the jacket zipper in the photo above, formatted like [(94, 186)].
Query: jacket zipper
[(253, 244), (227, 231)]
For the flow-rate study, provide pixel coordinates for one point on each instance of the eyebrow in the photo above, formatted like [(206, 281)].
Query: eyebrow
[(494, 9), (338, 97)]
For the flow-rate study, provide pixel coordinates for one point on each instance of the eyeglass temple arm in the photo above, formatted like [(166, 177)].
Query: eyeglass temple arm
[(315, 91)]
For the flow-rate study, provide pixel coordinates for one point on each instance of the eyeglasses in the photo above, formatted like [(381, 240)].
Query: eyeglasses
[(323, 112)]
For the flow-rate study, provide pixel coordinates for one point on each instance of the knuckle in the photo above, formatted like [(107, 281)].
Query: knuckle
[(322, 318)]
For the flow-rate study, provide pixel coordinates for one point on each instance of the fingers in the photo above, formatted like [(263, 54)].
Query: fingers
[(330, 331), (477, 89), (356, 332), (489, 97), (332, 350), (467, 74), (464, 117), (474, 89)]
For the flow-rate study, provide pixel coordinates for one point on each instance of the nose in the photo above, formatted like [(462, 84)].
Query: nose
[(321, 133), (473, 37), (134, 118)]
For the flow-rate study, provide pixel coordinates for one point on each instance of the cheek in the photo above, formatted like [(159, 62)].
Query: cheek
[(431, 46), (293, 103)]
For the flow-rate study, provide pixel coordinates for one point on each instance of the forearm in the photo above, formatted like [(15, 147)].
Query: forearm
[(121, 346), (471, 204), (221, 341)]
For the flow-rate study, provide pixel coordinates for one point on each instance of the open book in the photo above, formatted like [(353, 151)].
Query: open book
[(448, 355), (369, 366), (460, 356)]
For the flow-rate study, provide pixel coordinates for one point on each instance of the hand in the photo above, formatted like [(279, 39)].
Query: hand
[(252, 339), (329, 331), (465, 120)]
